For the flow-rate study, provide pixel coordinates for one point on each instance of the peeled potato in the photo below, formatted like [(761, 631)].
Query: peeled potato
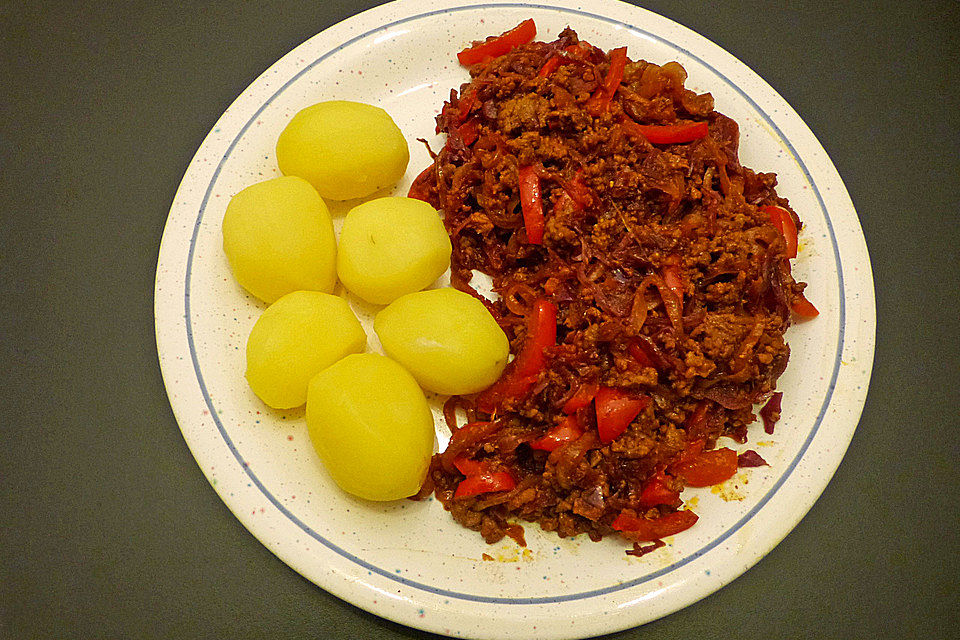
[(390, 247), (344, 149), (297, 336), (371, 426), (446, 338), (278, 237)]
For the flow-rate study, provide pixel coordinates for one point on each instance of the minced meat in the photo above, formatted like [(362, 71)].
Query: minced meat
[(670, 281)]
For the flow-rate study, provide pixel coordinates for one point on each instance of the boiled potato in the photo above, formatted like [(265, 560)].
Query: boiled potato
[(297, 336), (446, 338), (345, 149), (390, 247), (371, 426), (278, 237)]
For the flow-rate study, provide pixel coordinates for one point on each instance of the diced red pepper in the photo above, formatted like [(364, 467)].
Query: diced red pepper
[(420, 189), (600, 100), (616, 409), (708, 468), (583, 397), (618, 62), (784, 223), (691, 451), (541, 334), (523, 371), (479, 478), (469, 131), (644, 530), (493, 47), (532, 204), (484, 483), (696, 423), (549, 66), (655, 492), (509, 386), (804, 308), (469, 467), (666, 133), (465, 106), (567, 431)]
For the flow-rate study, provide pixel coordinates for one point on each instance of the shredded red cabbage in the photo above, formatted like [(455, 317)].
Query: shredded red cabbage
[(751, 458), (639, 551), (771, 412)]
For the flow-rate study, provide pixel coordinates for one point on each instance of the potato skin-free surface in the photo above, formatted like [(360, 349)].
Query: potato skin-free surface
[(390, 247), (296, 337), (446, 338), (344, 149), (370, 424), (278, 237)]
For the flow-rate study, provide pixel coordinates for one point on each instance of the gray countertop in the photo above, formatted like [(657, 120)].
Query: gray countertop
[(108, 529)]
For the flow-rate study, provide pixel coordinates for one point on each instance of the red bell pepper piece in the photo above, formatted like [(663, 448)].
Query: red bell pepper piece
[(499, 45), (784, 223), (600, 100), (666, 133), (655, 492), (480, 478), (508, 387), (420, 189), (523, 371), (644, 530), (541, 334), (549, 66), (618, 62), (616, 409), (531, 203), (583, 397), (708, 468), (484, 483), (804, 308), (567, 431), (696, 423), (466, 104), (469, 467), (692, 450), (469, 131)]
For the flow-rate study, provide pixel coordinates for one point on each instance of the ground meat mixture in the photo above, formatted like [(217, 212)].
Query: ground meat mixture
[(643, 281)]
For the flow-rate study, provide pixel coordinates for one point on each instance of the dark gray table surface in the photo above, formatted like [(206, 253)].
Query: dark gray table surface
[(108, 528)]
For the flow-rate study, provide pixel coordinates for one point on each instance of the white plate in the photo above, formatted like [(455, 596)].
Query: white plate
[(409, 561)]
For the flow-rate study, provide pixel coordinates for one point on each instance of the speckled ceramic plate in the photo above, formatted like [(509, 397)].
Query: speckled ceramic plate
[(409, 561)]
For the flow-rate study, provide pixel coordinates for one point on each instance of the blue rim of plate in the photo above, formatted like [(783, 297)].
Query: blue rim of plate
[(469, 596)]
